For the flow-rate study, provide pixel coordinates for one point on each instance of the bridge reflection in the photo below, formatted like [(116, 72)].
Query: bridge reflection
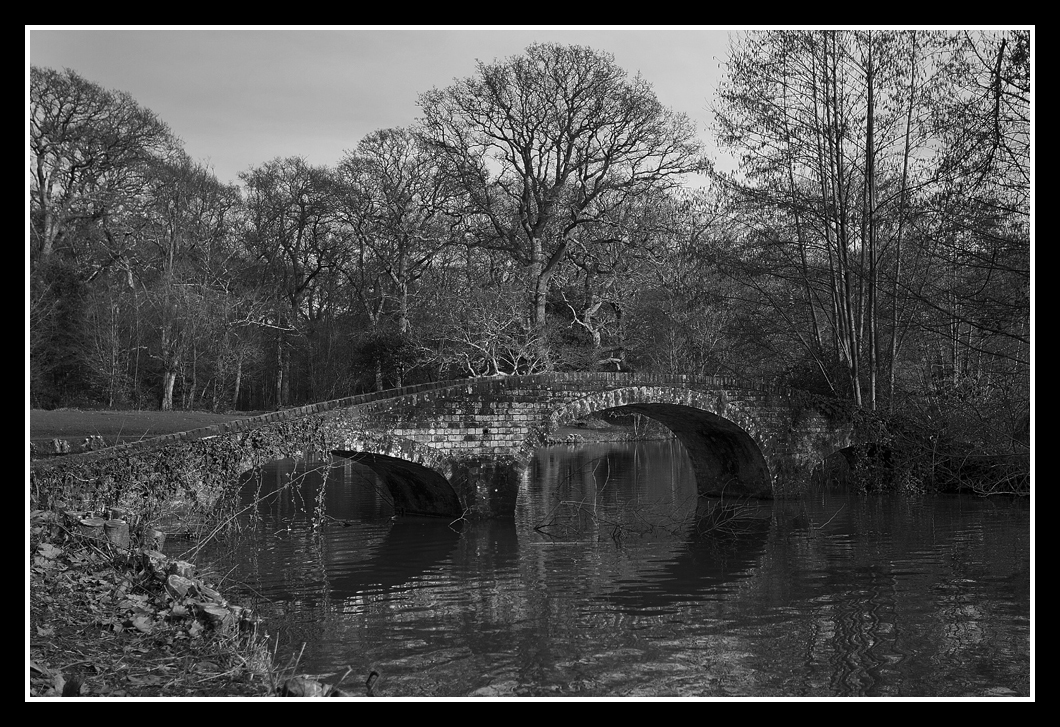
[(411, 549), (723, 545), (717, 545)]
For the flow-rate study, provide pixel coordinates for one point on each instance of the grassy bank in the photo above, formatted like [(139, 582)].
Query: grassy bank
[(116, 427)]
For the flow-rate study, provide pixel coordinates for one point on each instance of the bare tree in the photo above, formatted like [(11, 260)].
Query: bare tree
[(291, 230), (546, 142), (88, 147), (832, 153), (399, 213)]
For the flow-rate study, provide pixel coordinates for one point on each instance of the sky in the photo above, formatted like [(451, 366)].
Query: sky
[(241, 97)]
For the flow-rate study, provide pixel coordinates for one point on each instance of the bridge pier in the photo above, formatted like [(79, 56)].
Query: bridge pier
[(488, 485)]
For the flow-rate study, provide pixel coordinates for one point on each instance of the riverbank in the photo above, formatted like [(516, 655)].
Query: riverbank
[(107, 621), (110, 621)]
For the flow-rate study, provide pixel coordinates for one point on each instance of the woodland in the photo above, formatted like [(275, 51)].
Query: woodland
[(548, 213)]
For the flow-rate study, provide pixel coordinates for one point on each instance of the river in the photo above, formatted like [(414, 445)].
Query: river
[(614, 580)]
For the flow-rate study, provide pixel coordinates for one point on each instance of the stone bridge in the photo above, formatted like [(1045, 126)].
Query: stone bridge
[(461, 447)]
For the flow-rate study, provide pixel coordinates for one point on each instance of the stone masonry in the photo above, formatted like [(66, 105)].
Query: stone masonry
[(461, 447)]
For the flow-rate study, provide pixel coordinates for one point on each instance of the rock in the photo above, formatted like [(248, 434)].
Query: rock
[(154, 538), (500, 689), (93, 443), (301, 687), (181, 568), (370, 683), (178, 586)]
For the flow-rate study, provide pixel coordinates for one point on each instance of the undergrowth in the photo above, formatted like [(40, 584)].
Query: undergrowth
[(109, 622)]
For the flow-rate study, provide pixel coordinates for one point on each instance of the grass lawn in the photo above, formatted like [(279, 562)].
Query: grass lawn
[(118, 426)]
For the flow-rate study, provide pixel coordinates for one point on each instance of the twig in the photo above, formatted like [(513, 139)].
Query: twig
[(191, 552), (335, 684), (821, 526)]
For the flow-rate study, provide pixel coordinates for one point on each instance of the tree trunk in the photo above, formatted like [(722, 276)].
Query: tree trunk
[(870, 220), (169, 378), (238, 382), (280, 383), (902, 207)]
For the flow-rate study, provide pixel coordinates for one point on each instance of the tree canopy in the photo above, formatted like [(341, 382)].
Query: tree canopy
[(873, 243)]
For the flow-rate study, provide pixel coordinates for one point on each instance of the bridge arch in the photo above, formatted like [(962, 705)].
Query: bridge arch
[(418, 477), (720, 436)]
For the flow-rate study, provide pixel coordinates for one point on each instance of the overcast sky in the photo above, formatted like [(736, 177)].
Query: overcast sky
[(241, 97)]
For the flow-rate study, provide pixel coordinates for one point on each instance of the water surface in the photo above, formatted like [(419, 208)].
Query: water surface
[(615, 580)]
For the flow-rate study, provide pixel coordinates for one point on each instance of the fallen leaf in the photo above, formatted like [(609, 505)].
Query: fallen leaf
[(49, 551), (143, 623)]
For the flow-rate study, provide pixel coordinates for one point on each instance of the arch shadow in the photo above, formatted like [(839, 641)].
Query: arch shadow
[(725, 457), (415, 488)]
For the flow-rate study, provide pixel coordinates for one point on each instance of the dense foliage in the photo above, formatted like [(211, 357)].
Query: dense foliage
[(547, 213)]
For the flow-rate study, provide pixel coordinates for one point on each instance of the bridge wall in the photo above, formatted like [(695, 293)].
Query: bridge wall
[(476, 434), (480, 418)]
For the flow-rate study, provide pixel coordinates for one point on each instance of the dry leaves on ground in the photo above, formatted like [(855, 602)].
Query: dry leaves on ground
[(104, 622)]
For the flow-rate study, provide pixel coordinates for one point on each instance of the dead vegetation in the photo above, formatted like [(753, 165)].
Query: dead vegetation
[(112, 622)]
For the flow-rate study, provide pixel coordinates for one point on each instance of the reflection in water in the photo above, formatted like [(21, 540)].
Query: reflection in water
[(616, 580), (721, 545)]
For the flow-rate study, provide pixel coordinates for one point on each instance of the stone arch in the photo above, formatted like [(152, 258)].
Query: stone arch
[(721, 437), (419, 478)]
